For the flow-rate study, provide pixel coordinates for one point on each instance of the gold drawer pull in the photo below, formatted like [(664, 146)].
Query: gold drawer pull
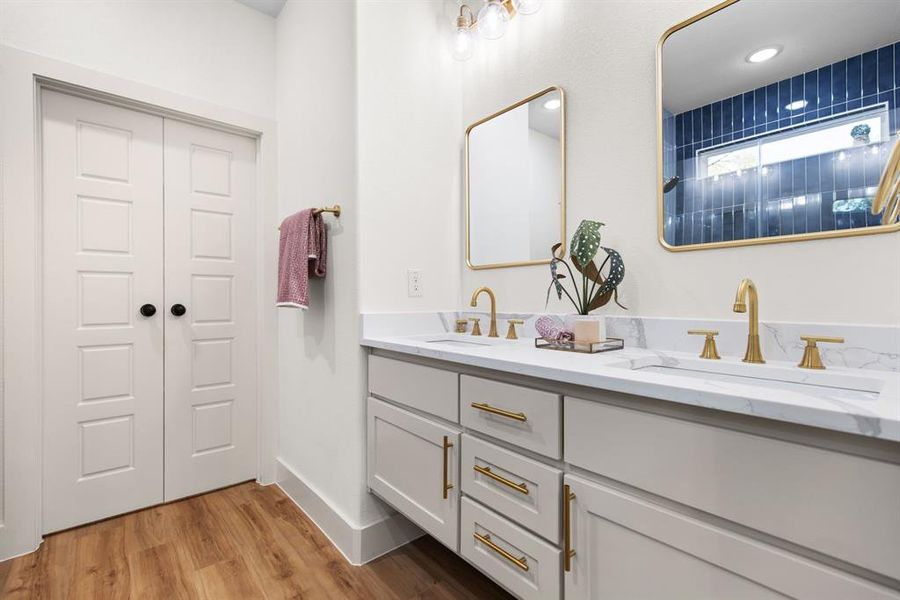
[(568, 553), (519, 416), (486, 471), (485, 539), (447, 486)]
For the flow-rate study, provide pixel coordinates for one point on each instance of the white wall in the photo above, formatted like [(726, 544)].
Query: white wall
[(410, 149), (213, 50), (602, 54), (322, 392)]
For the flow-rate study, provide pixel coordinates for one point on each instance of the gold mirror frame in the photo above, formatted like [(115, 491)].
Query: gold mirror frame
[(562, 173), (884, 188)]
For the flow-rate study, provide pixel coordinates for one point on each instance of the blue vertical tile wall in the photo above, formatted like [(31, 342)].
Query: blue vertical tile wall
[(793, 197)]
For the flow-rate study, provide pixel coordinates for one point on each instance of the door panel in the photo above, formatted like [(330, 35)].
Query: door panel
[(210, 187), (409, 467), (102, 260), (627, 547)]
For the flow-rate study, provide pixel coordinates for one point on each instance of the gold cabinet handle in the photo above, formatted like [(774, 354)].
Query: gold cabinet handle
[(519, 416), (485, 539), (568, 553), (447, 486), (486, 471)]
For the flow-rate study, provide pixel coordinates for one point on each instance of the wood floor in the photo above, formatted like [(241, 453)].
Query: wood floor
[(243, 542)]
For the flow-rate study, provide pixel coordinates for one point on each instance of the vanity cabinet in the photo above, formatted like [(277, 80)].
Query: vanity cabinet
[(413, 464), (626, 547), (663, 502)]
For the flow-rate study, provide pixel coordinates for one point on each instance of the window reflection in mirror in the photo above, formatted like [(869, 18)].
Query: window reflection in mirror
[(777, 121), (515, 183)]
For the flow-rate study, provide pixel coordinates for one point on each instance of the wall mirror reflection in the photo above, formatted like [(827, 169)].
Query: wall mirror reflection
[(777, 120), (515, 183)]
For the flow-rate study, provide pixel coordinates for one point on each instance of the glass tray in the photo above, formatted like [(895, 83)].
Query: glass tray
[(606, 345)]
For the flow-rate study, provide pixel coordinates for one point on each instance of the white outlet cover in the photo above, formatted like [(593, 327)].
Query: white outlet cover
[(414, 285)]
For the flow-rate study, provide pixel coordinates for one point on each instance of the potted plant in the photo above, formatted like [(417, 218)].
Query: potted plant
[(596, 289)]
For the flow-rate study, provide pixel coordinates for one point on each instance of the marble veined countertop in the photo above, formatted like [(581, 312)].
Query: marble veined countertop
[(856, 401)]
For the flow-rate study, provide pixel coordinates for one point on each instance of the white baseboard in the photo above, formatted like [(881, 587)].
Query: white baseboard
[(358, 545)]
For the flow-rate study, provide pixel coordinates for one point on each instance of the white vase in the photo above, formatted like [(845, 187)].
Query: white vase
[(588, 329)]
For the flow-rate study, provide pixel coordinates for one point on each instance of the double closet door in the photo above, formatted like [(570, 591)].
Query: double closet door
[(149, 358)]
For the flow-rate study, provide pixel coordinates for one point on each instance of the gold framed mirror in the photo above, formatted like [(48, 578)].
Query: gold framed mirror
[(515, 183), (778, 122)]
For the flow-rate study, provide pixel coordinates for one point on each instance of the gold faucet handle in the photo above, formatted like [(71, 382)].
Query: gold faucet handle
[(811, 357), (709, 346), (461, 325), (476, 329), (511, 333)]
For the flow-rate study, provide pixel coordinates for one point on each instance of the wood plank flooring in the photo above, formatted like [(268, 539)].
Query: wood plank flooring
[(242, 542)]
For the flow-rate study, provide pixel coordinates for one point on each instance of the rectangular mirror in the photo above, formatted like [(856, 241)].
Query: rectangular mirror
[(516, 183), (776, 122)]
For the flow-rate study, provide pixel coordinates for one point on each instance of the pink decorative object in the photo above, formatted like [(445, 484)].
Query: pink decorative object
[(552, 329)]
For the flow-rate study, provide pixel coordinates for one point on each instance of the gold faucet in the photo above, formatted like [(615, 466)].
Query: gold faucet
[(746, 294), (474, 302)]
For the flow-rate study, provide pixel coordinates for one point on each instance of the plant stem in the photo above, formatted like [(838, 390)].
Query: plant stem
[(594, 285), (578, 305)]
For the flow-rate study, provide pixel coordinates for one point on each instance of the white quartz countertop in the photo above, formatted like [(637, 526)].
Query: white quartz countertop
[(870, 413)]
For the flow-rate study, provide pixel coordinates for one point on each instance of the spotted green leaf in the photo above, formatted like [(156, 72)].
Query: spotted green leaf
[(586, 241)]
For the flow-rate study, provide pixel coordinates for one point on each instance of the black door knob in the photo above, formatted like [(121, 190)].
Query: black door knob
[(148, 310), (178, 309)]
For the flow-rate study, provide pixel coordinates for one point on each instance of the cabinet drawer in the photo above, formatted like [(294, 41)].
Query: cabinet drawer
[(424, 388), (413, 464), (518, 488), (520, 561), (842, 505), (519, 415), (626, 547)]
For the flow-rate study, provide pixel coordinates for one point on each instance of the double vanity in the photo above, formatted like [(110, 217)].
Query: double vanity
[(636, 473)]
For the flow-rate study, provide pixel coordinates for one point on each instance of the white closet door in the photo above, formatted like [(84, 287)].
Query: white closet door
[(102, 260), (210, 187)]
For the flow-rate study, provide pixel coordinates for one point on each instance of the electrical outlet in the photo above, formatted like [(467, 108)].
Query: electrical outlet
[(414, 283)]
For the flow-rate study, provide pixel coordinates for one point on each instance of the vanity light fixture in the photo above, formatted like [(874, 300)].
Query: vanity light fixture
[(491, 23), (464, 39), (763, 54), (797, 105), (553, 104)]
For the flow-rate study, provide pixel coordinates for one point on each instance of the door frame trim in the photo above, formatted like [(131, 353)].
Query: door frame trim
[(23, 77)]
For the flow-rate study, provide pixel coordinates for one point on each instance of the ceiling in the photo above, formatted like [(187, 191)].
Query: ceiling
[(705, 61), (269, 7)]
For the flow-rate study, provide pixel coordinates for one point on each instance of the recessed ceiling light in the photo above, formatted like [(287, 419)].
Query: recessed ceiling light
[(797, 105), (763, 54), (552, 104)]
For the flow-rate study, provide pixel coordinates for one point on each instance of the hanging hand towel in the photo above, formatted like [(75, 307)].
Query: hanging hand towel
[(302, 252)]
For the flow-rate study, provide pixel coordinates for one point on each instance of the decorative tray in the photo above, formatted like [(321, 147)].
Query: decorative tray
[(602, 346)]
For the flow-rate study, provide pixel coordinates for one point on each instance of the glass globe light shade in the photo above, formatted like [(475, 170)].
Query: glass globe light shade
[(463, 43), (492, 20)]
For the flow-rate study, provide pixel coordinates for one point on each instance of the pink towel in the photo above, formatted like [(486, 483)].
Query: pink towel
[(301, 254)]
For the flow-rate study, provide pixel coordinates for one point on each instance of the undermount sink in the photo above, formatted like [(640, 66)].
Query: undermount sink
[(836, 385), (467, 341)]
